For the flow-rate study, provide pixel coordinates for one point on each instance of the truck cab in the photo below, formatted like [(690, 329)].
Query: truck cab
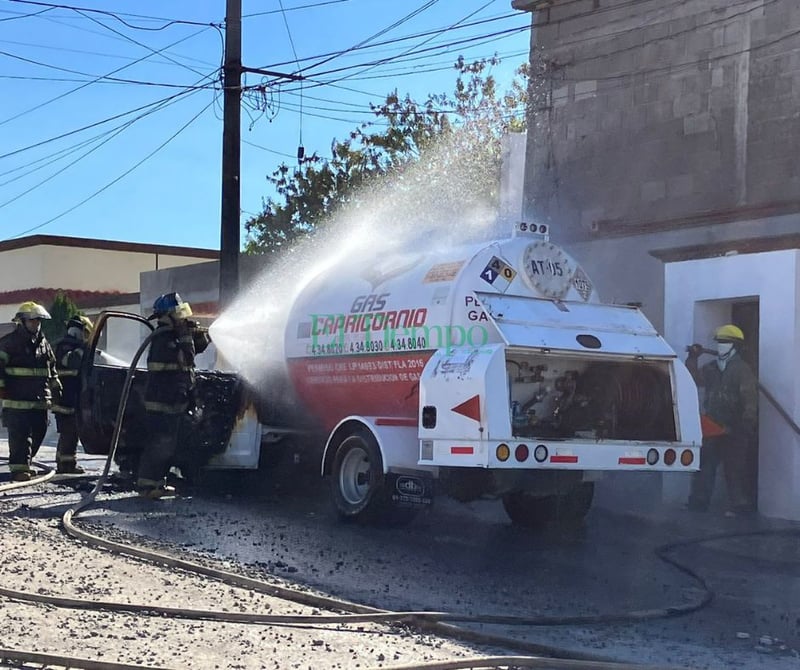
[(221, 431)]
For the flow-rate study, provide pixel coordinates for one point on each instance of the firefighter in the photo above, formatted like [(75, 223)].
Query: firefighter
[(730, 402), (70, 351), (28, 382), (170, 389)]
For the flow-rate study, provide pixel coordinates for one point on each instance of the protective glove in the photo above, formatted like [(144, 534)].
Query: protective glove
[(694, 350)]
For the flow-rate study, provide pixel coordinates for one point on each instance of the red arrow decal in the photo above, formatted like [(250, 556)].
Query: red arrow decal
[(470, 408)]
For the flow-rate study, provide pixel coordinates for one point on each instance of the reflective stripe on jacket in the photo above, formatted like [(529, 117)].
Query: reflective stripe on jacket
[(69, 357), (28, 374), (170, 365)]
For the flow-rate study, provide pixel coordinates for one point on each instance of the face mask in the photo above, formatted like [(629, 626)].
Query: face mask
[(724, 349)]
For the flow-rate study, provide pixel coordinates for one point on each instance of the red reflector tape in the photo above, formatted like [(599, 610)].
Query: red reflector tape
[(462, 450), (563, 459), (632, 460), (390, 421)]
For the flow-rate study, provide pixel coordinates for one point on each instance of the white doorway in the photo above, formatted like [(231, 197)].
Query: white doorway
[(763, 291)]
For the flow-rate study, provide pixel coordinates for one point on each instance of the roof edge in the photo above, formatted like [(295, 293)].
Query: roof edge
[(106, 245), (753, 245)]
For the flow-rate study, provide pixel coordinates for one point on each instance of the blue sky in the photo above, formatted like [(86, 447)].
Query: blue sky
[(173, 196)]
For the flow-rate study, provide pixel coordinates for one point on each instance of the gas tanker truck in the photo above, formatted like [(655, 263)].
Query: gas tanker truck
[(490, 370)]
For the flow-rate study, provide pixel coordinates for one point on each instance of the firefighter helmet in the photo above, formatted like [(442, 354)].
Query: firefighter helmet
[(81, 322), (31, 310), (729, 333), (171, 303)]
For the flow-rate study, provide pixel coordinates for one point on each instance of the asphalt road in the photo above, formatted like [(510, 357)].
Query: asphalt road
[(468, 558)]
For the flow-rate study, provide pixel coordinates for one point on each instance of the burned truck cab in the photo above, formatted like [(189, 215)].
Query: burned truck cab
[(219, 407)]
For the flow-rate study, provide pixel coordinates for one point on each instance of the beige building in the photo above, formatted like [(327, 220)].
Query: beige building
[(94, 274)]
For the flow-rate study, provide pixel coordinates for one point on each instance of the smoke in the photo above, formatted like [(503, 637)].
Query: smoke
[(446, 198)]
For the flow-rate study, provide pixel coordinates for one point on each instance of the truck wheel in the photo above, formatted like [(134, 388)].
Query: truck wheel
[(531, 512), (358, 484)]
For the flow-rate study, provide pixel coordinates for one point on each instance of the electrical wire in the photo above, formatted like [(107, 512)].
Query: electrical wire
[(62, 21), (22, 15), (138, 43), (300, 148), (82, 128), (291, 9), (383, 31), (93, 76), (315, 81), (115, 15), (111, 135), (272, 151), (99, 78), (416, 48), (397, 40), (116, 179)]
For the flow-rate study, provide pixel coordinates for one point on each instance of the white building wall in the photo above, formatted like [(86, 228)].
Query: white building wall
[(80, 268), (690, 315)]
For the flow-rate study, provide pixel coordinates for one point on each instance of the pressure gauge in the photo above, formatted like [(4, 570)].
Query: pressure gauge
[(547, 269)]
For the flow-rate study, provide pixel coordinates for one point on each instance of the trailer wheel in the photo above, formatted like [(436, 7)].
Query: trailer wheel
[(358, 484), (531, 512)]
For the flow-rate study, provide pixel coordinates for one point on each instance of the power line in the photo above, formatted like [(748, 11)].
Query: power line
[(94, 78), (114, 15), (398, 40), (475, 40), (272, 151), (115, 180), (383, 31), (138, 43), (416, 47), (49, 159), (111, 135), (97, 79), (291, 9), (300, 149), (91, 125), (21, 15), (106, 35)]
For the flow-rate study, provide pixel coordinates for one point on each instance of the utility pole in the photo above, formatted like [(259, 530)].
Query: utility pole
[(231, 150)]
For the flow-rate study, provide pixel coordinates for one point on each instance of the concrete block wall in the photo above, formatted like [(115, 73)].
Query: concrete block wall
[(663, 110)]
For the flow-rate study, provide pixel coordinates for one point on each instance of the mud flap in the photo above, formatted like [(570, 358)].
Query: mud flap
[(410, 491)]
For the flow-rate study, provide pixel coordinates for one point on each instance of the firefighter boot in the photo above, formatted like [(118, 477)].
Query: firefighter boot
[(69, 468), (21, 476)]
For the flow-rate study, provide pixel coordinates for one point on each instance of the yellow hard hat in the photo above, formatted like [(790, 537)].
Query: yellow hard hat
[(82, 322), (729, 332), (31, 310)]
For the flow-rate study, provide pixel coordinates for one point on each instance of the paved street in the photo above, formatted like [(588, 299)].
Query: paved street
[(467, 558)]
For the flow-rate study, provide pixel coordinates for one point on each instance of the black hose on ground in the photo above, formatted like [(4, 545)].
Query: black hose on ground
[(432, 622)]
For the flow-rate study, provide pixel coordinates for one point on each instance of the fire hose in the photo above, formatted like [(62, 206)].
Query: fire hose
[(431, 622)]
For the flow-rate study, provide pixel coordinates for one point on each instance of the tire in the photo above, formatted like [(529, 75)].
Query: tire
[(529, 511), (358, 484)]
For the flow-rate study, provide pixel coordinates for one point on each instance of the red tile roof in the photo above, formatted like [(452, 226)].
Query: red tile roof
[(83, 299)]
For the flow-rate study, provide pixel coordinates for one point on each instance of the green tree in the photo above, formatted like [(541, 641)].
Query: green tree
[(61, 311), (402, 144)]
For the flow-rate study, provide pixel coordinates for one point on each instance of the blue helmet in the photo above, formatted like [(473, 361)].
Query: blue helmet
[(171, 303)]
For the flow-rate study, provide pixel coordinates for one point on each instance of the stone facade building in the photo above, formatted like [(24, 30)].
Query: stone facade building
[(664, 150)]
